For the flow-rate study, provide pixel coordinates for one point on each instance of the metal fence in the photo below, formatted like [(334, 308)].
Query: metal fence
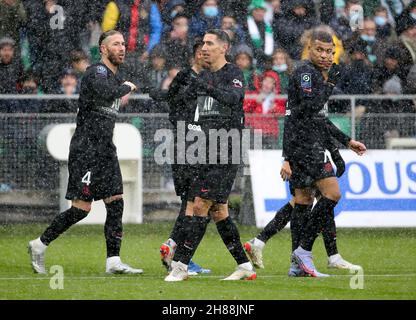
[(25, 164)]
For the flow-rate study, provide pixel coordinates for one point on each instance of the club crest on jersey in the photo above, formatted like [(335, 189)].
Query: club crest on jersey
[(237, 83), (306, 82)]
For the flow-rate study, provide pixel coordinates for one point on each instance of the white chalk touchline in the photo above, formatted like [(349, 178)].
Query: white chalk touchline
[(44, 277)]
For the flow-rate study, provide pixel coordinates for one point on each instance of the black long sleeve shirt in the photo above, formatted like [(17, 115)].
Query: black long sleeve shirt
[(306, 129)]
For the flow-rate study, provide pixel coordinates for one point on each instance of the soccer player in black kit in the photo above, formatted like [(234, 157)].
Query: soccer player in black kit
[(94, 171), (220, 95), (305, 133), (182, 104)]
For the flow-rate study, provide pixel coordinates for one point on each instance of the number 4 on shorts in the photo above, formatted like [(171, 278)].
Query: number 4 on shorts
[(87, 178)]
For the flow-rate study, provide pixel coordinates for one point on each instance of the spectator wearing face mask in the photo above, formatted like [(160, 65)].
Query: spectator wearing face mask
[(170, 10), (283, 66), (406, 30), (384, 28), (341, 22), (208, 17), (374, 45)]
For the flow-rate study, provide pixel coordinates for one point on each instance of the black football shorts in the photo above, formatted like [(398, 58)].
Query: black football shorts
[(93, 175), (214, 182)]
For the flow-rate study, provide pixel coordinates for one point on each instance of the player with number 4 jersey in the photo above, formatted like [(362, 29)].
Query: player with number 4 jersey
[(94, 170)]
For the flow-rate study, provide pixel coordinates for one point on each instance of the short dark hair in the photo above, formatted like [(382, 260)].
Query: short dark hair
[(322, 36), (221, 35), (198, 44), (107, 34)]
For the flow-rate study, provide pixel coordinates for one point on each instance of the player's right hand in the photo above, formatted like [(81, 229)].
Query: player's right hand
[(285, 171), (131, 85), (358, 147)]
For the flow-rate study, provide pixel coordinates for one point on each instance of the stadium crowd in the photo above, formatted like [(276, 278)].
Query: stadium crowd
[(46, 46)]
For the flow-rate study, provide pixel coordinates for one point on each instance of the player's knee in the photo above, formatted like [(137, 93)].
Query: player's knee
[(83, 205), (201, 207)]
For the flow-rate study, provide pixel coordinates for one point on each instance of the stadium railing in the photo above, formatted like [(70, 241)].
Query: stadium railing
[(26, 166)]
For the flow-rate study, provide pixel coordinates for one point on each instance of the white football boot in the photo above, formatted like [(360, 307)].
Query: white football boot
[(179, 272), (36, 250), (244, 271), (337, 262), (115, 266), (255, 253)]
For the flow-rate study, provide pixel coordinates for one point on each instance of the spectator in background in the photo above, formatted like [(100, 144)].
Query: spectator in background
[(236, 8), (374, 45), (29, 85), (177, 44), (340, 23), (140, 23), (12, 18), (299, 16), (259, 33), (68, 86), (391, 66), (155, 70), (79, 64), (283, 66), (306, 37), (232, 28), (357, 77), (406, 29), (208, 17), (262, 110), (11, 68), (49, 47), (170, 10), (244, 60), (384, 28)]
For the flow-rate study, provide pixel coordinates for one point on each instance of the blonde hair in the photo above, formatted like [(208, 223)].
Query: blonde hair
[(289, 60)]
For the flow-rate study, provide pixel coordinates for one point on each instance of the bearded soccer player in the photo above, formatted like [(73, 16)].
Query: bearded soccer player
[(220, 95), (94, 170), (307, 165)]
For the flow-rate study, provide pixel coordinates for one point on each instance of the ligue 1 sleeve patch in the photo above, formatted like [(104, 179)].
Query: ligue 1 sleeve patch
[(101, 70), (306, 82)]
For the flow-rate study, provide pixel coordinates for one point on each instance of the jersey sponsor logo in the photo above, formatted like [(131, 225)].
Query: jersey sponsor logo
[(102, 70), (306, 82), (288, 113), (237, 83), (86, 190)]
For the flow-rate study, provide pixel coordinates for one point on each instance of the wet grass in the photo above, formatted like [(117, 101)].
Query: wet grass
[(388, 258)]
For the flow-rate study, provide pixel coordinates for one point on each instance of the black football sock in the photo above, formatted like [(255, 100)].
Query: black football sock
[(329, 234), (61, 223), (319, 214), (299, 215), (194, 228), (279, 221), (176, 234), (231, 238), (113, 228)]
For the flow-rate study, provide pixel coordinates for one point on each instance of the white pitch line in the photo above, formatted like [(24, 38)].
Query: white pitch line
[(199, 276)]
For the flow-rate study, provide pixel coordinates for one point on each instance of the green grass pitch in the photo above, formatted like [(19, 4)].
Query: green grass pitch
[(388, 258)]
